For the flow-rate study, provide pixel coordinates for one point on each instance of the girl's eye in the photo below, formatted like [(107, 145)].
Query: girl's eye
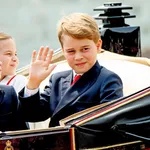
[(9, 54)]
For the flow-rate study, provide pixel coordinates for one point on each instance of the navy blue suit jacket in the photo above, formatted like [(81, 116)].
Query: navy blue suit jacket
[(60, 100), (10, 116)]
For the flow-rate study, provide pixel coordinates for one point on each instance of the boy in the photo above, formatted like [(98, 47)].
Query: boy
[(80, 41)]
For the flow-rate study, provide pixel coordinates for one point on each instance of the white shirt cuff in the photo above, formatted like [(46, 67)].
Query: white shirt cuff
[(28, 92)]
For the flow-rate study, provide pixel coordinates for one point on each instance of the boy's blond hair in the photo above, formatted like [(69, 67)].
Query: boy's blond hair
[(4, 36), (78, 26)]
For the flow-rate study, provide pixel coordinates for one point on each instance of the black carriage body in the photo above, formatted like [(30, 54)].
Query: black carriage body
[(121, 124)]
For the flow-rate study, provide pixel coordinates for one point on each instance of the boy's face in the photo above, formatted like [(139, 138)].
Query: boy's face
[(81, 54), (8, 57)]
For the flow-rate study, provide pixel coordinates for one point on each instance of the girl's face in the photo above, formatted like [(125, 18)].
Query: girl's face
[(8, 57)]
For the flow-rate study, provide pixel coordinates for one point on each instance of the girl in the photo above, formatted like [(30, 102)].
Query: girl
[(9, 59)]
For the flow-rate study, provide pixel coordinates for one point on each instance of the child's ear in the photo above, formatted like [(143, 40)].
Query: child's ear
[(99, 45)]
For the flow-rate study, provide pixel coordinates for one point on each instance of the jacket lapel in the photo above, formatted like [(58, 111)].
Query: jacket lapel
[(73, 92), (65, 83)]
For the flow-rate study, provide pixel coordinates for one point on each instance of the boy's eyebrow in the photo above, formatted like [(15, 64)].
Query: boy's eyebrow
[(80, 47), (68, 49), (85, 46)]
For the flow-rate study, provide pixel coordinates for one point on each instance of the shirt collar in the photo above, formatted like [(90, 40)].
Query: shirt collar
[(74, 73)]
